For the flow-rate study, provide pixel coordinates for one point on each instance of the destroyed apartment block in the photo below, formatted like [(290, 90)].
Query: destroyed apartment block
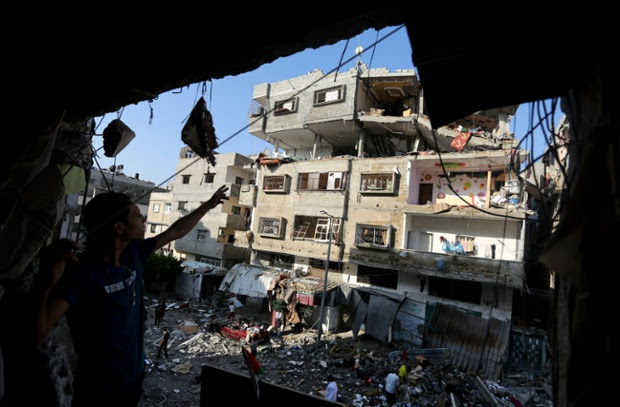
[(421, 219)]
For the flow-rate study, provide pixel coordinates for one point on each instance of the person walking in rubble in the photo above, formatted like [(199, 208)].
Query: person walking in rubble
[(160, 311), (102, 295), (331, 391), (391, 384), (163, 343)]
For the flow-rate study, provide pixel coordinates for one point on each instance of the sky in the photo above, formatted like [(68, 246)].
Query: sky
[(154, 151)]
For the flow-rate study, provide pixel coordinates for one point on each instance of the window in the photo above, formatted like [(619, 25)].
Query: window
[(167, 208), (329, 95), (376, 237), (316, 181), (236, 210), (271, 227), (189, 154), (209, 177), (275, 183), (182, 205), (186, 179), (376, 276), (155, 208), (209, 260), (238, 180), (203, 234), (316, 228), (320, 264), (378, 183), (153, 228), (285, 106), (466, 291)]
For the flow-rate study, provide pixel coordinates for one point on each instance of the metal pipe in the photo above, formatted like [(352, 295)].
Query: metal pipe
[(329, 245)]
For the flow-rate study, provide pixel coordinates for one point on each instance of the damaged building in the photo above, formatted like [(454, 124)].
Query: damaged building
[(211, 242), (361, 160)]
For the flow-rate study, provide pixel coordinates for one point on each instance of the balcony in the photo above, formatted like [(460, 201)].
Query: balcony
[(247, 195), (459, 267)]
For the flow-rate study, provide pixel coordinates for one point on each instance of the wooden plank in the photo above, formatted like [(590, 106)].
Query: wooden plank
[(486, 393)]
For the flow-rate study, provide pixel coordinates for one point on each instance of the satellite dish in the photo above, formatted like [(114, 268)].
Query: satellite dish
[(359, 50)]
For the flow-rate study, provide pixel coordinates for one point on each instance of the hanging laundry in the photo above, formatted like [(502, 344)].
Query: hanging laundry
[(199, 134)]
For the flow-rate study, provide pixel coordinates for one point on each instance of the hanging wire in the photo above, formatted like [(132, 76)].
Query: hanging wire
[(341, 56)]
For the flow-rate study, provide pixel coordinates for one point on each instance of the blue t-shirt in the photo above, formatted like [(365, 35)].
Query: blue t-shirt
[(106, 317)]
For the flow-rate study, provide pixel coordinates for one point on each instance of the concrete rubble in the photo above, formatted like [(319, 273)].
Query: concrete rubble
[(293, 359)]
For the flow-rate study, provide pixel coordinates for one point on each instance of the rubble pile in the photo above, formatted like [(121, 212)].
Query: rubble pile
[(293, 359)]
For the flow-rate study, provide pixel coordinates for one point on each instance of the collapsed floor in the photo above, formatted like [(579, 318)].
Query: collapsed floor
[(294, 360)]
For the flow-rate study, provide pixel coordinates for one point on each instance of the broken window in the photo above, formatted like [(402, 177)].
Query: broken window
[(203, 234), (378, 237), (378, 183), (460, 290), (316, 228), (377, 276), (316, 181), (285, 106), (238, 180), (270, 227), (186, 179), (279, 260), (329, 95)]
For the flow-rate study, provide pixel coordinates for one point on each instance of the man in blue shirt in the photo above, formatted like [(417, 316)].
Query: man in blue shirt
[(102, 295)]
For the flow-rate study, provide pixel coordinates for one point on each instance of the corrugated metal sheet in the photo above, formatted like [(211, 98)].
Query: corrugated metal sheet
[(381, 313), (254, 281), (245, 279), (474, 344)]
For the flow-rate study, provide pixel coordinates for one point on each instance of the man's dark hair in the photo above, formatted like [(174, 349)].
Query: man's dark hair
[(100, 214)]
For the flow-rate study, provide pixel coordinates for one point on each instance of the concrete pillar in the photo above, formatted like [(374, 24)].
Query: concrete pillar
[(421, 102), (360, 143), (316, 146), (275, 145), (488, 200), (503, 126)]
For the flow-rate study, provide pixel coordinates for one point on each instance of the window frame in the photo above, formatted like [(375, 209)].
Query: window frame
[(279, 109), (341, 95), (270, 178), (209, 177), (185, 179), (278, 234), (363, 243), (390, 179), (202, 234), (314, 228), (155, 208), (312, 181)]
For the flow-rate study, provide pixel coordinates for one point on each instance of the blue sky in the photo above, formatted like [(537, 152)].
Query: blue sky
[(154, 151)]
